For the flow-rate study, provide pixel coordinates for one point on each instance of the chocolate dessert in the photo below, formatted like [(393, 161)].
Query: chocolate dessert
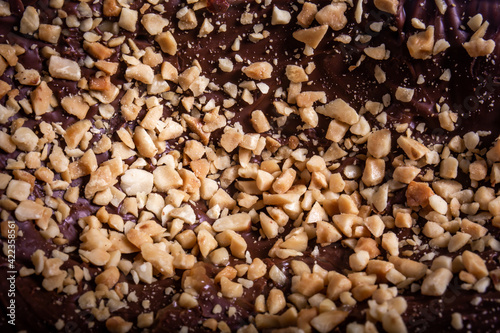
[(249, 166)]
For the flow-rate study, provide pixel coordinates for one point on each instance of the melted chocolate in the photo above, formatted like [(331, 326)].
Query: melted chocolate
[(473, 92)]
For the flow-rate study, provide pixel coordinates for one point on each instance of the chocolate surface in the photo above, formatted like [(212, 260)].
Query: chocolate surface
[(473, 92)]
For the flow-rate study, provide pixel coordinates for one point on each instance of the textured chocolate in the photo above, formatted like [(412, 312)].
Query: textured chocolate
[(473, 92)]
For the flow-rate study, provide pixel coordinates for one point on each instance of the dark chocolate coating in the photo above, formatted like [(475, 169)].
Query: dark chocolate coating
[(473, 92)]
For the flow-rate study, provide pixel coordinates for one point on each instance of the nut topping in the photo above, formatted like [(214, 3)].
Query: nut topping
[(259, 160)]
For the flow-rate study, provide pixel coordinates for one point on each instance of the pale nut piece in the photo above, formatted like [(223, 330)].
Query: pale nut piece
[(98, 257), (137, 238), (236, 222), (87, 300), (100, 180), (93, 239), (172, 130), (230, 289), (392, 322), (29, 77), (128, 19), (61, 68), (361, 128), (117, 324), (277, 275), (418, 194), (333, 15), (479, 47), (345, 223), (449, 168), (374, 171), (135, 181), (375, 225), (312, 36), (228, 272), (413, 149), (161, 260), (379, 143), (478, 170), (494, 207), (337, 284), (474, 229), (326, 321), (432, 229), (409, 268), (154, 23), (75, 105), (296, 74), (167, 42), (187, 301), (474, 264), (44, 174), (188, 76), (275, 301), (76, 132), (18, 190), (362, 292), (25, 139), (257, 269), (421, 44), (447, 120), (296, 240), (260, 122), (109, 277), (30, 21), (29, 210), (187, 19), (390, 6), (307, 14), (438, 204), (231, 139), (150, 227), (359, 260), (390, 243), (223, 199), (326, 233), (306, 99), (144, 143), (236, 242), (284, 181), (369, 245), (280, 16), (41, 98), (316, 163), (309, 116), (376, 52), (457, 321), (206, 242), (484, 195), (347, 205), (404, 94), (107, 67), (308, 284), (140, 72), (403, 220), (97, 50), (435, 284), (340, 110), (169, 72), (258, 70), (457, 241), (493, 154), (405, 174), (336, 130)]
